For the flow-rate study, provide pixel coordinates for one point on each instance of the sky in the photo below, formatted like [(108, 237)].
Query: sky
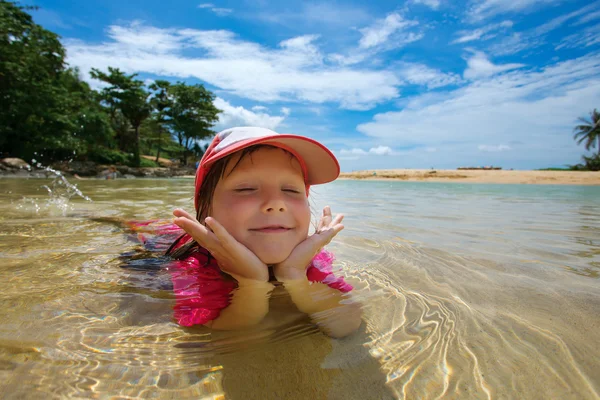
[(414, 84)]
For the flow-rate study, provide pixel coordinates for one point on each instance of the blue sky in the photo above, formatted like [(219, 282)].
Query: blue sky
[(415, 84)]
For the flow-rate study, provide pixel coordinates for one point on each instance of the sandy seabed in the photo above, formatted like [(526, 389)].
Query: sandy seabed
[(480, 176)]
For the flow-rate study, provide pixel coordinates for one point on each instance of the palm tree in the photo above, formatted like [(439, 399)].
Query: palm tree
[(589, 131)]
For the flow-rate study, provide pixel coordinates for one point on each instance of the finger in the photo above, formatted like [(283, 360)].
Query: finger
[(323, 238), (325, 219), (220, 232), (327, 214), (197, 231), (338, 219), (178, 212)]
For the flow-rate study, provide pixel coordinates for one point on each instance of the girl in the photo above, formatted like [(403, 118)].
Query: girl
[(250, 233)]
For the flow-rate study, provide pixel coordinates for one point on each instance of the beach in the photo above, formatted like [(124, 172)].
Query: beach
[(468, 291), (479, 176)]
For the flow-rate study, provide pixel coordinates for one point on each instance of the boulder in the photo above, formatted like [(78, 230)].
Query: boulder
[(15, 163)]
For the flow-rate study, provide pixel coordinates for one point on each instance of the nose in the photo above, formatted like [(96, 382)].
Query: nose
[(274, 202)]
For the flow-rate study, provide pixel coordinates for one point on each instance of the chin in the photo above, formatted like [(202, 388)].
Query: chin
[(271, 258)]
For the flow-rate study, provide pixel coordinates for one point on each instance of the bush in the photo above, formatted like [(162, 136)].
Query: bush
[(592, 163), (108, 156), (145, 163)]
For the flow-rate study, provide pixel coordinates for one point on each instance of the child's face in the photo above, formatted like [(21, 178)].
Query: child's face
[(262, 203)]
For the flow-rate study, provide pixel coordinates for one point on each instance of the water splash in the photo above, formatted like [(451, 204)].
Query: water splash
[(60, 192)]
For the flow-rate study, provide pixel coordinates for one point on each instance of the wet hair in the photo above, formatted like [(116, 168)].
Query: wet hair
[(205, 194)]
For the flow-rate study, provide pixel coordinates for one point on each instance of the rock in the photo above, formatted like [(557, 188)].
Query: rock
[(15, 163), (128, 176)]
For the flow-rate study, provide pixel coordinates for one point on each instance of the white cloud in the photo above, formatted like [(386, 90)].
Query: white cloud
[(536, 37), (483, 9), (536, 108), (294, 71), (259, 108), (480, 67), (394, 25), (221, 12), (285, 111), (420, 74), (325, 15), (482, 33), (561, 19), (239, 116), (433, 4), (590, 16), (493, 148), (379, 150), (585, 38)]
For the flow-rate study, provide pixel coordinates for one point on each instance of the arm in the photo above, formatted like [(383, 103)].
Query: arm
[(249, 302), (248, 306), (333, 311)]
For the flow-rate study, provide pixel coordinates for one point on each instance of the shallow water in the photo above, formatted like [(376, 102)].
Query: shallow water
[(468, 291)]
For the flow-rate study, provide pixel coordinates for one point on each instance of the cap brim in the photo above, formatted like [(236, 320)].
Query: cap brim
[(320, 163)]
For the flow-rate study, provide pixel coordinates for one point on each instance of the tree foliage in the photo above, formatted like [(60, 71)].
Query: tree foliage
[(48, 109), (588, 133)]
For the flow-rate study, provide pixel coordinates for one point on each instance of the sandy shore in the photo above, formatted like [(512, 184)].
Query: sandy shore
[(480, 176)]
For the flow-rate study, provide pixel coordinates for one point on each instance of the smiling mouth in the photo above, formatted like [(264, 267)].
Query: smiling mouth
[(271, 229)]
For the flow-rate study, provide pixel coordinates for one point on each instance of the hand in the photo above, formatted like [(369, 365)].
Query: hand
[(233, 257), (294, 267)]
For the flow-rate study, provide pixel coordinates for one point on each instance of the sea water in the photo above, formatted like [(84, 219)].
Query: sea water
[(467, 290)]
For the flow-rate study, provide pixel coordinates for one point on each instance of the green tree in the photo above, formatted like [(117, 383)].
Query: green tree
[(192, 114), (161, 103), (129, 96), (41, 99), (589, 131)]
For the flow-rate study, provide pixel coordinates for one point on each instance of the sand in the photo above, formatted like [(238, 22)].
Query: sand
[(480, 176)]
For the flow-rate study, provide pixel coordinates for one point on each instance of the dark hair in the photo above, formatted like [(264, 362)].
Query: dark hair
[(205, 194)]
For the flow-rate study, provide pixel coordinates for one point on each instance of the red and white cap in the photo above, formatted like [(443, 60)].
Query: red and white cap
[(318, 163)]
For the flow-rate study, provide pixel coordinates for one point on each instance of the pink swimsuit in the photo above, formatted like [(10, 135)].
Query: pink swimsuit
[(201, 289)]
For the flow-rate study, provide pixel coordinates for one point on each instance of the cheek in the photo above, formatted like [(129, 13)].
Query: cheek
[(302, 214), (231, 211)]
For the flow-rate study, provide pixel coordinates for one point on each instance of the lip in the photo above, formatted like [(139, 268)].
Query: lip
[(271, 229)]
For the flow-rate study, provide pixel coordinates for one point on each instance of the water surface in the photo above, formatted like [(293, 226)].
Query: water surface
[(468, 291)]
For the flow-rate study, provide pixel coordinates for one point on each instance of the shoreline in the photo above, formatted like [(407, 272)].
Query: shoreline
[(590, 178)]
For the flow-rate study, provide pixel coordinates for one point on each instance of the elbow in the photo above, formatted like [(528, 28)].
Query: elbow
[(344, 323)]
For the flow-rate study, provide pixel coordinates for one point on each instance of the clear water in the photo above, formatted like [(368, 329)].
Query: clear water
[(468, 291)]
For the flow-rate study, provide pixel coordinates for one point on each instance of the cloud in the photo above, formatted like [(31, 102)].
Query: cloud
[(420, 74), (483, 9), (480, 67), (537, 108), (379, 150), (221, 12), (382, 30), (259, 108), (326, 15), (293, 71), (493, 148), (481, 33), (590, 16), (239, 116), (585, 38), (535, 37), (433, 4), (556, 22)]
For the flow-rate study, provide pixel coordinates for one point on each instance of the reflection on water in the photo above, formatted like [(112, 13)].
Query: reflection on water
[(469, 291)]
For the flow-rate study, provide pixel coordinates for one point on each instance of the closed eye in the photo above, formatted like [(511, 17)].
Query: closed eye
[(291, 190), (244, 190)]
